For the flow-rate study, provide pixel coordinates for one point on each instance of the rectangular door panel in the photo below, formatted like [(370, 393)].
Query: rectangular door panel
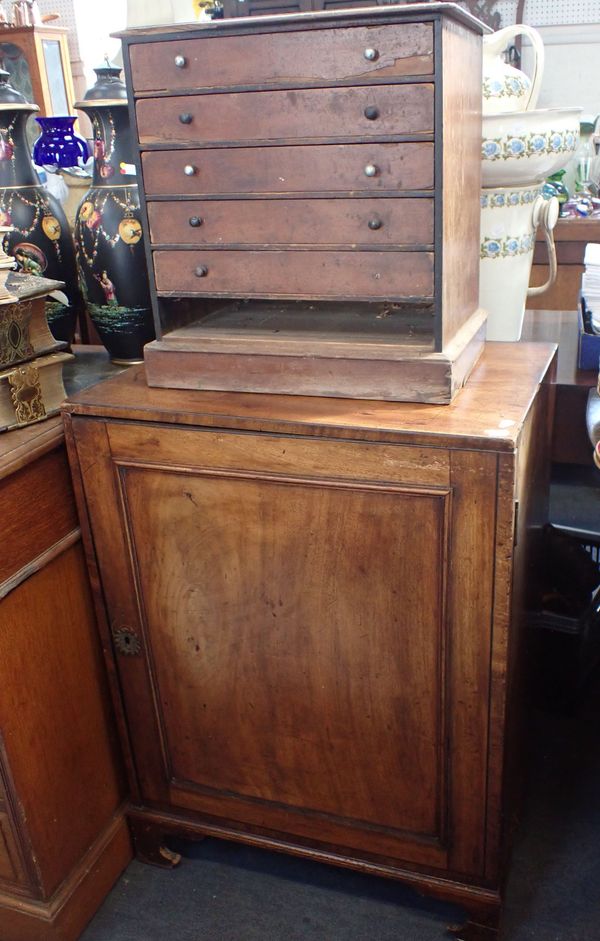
[(296, 641)]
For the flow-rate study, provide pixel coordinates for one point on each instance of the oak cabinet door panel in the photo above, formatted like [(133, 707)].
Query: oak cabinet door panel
[(294, 633)]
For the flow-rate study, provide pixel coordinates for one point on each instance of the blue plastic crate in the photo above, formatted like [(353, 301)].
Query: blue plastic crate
[(588, 356)]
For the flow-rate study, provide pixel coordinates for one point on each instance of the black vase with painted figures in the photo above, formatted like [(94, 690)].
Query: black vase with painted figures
[(40, 241), (108, 230)]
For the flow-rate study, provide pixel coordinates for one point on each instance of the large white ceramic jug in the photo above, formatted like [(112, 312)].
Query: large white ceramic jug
[(509, 219), (504, 87)]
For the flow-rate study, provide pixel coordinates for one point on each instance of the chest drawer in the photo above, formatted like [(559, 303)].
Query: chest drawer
[(284, 58), (327, 168), (361, 275), (367, 222), (308, 114)]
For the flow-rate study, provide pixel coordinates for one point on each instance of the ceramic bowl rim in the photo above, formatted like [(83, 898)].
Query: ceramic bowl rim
[(506, 187), (523, 115)]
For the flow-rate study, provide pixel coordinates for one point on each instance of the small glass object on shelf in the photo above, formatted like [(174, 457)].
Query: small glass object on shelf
[(585, 158), (58, 144), (555, 186)]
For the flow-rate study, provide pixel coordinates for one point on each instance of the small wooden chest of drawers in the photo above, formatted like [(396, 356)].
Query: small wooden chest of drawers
[(311, 196)]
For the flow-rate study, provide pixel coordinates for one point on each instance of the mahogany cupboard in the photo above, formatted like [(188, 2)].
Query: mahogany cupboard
[(63, 835), (311, 612)]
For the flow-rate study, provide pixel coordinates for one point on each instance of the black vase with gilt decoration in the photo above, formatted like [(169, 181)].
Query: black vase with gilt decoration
[(40, 239), (108, 230)]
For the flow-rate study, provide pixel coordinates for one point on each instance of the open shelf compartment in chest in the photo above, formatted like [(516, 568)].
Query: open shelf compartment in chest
[(311, 196)]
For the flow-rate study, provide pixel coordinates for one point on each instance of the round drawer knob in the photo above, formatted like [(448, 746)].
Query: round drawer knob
[(371, 113), (371, 55), (371, 170), (195, 221), (201, 271), (186, 117), (190, 169), (375, 223), (180, 62)]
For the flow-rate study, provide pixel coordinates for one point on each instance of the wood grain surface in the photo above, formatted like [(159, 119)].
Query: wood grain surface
[(506, 373), (324, 715), (30, 526), (460, 143), (287, 115), (289, 273), (284, 58), (308, 222), (62, 778), (319, 168)]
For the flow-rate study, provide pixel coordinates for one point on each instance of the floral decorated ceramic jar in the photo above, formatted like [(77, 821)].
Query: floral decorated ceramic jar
[(509, 219)]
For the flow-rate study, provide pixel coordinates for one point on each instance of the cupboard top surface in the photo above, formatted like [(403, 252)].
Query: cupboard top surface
[(391, 13), (487, 414)]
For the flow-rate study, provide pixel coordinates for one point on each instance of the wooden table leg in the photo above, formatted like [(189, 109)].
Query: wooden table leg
[(149, 846)]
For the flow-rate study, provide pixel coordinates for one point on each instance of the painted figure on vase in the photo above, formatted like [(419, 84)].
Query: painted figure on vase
[(108, 231), (108, 288), (40, 238)]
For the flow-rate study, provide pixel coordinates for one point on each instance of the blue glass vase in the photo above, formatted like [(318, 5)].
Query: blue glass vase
[(58, 144), (40, 238)]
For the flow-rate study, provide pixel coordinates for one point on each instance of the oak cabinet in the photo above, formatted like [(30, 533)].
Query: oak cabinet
[(311, 614)]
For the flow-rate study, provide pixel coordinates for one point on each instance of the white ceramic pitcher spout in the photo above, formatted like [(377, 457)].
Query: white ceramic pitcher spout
[(505, 88)]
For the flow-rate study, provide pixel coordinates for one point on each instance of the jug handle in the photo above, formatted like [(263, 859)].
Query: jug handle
[(521, 29), (538, 63), (546, 215)]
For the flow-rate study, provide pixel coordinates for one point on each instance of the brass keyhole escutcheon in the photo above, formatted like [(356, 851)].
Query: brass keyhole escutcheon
[(127, 642)]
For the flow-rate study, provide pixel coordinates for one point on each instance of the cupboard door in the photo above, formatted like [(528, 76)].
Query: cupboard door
[(289, 631)]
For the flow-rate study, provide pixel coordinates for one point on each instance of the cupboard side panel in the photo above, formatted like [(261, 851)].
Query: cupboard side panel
[(470, 606), (523, 493), (460, 140)]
